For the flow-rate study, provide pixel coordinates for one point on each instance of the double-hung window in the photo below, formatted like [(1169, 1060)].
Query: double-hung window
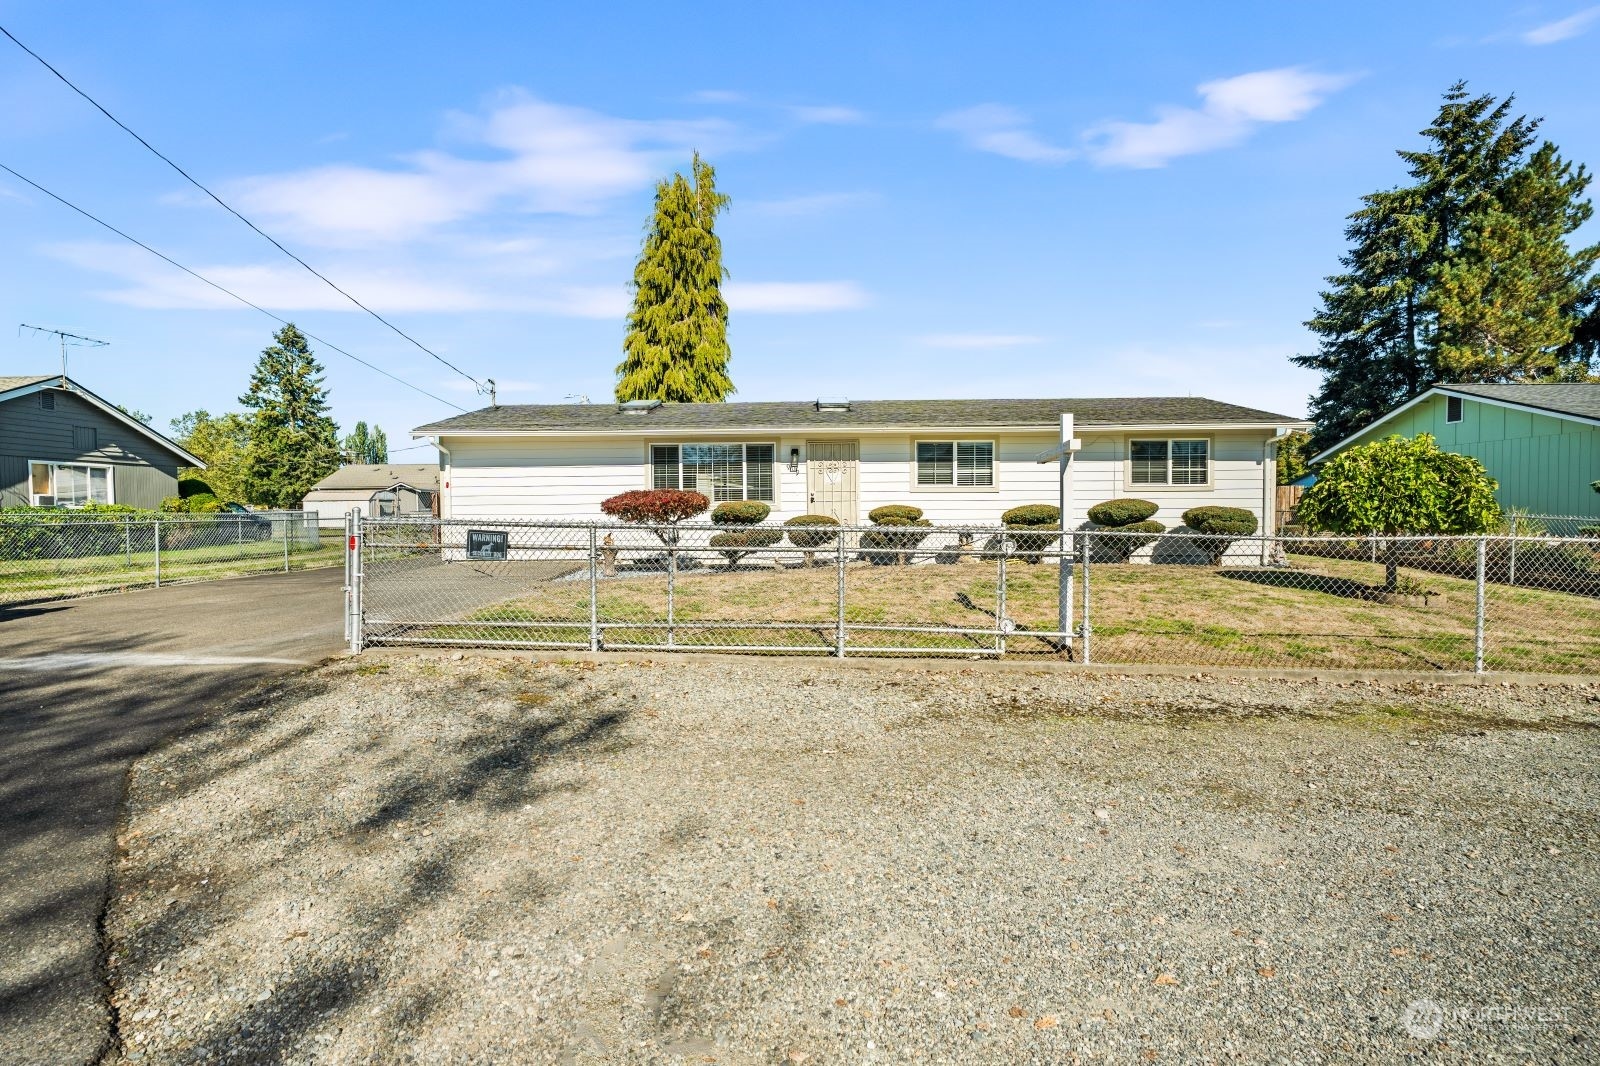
[(1169, 462), (957, 463), (69, 484), (717, 471)]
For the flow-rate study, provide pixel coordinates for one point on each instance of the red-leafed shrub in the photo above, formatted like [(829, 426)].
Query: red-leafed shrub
[(655, 506)]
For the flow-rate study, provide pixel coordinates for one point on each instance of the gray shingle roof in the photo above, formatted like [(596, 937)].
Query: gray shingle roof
[(1581, 398), (862, 414), (360, 476), (17, 381)]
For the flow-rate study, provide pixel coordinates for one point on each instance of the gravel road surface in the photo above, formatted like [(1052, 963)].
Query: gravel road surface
[(426, 858)]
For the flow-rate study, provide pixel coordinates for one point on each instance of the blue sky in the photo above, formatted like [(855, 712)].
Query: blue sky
[(929, 200)]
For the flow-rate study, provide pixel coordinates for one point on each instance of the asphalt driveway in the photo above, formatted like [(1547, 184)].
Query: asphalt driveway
[(86, 686)]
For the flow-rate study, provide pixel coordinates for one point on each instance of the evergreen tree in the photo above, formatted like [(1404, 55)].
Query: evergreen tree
[(1463, 275), (293, 442), (677, 343), (366, 446)]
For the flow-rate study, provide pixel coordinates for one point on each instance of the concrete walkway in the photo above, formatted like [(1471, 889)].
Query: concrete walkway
[(86, 686)]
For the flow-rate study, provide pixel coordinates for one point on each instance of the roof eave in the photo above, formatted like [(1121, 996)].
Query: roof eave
[(1026, 427), (109, 409)]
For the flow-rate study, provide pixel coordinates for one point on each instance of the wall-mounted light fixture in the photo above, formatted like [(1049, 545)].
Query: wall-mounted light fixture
[(794, 460)]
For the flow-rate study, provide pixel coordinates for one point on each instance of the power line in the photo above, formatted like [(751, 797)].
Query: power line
[(222, 204), (222, 289)]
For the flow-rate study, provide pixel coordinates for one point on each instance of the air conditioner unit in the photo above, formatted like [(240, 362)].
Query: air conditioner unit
[(45, 501)]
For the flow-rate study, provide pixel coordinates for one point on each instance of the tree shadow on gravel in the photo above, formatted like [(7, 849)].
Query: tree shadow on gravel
[(363, 812)]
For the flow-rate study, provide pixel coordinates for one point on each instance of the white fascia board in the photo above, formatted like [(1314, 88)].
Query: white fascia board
[(858, 431)]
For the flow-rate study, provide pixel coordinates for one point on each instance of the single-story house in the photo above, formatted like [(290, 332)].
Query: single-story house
[(383, 490), (1541, 442), (63, 446), (961, 461)]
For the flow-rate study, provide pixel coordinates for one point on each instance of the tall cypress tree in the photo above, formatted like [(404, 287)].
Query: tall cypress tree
[(677, 343), (364, 446), (293, 442), (1462, 275)]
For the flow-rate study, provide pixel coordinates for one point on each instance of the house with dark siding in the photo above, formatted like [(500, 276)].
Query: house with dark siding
[(63, 446)]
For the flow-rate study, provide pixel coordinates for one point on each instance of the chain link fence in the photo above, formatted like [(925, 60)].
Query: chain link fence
[(48, 555), (1183, 598)]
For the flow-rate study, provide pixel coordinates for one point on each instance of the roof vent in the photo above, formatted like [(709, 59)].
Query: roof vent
[(638, 407), (837, 403)]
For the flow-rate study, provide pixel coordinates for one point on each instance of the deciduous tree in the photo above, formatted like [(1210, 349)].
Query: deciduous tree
[(223, 441)]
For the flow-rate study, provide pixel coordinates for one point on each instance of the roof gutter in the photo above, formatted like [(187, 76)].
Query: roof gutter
[(441, 433)]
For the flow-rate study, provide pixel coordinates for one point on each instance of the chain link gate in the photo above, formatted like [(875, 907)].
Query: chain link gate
[(1459, 604)]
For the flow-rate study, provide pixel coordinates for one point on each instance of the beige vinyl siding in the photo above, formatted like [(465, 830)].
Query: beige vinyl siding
[(567, 477), (144, 473)]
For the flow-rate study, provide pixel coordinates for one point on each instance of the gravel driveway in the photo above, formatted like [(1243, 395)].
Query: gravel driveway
[(428, 859)]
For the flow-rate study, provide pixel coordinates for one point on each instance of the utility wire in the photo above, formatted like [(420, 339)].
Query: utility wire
[(222, 289), (221, 203)]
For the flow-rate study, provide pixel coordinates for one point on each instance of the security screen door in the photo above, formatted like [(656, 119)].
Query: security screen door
[(832, 469)]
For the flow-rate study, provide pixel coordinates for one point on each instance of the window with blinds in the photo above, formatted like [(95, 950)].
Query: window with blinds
[(957, 463), (1169, 462), (718, 471)]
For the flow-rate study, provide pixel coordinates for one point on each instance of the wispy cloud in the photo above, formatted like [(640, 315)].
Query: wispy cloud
[(978, 340), (551, 158), (808, 206), (827, 115), (1003, 131), (1231, 109), (794, 297), (1565, 29), (716, 96)]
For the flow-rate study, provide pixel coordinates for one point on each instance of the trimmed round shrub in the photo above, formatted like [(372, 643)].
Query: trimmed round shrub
[(1221, 526), (173, 504), (740, 513), (736, 544), (1235, 521), (1033, 514), (907, 514), (1125, 543), (193, 486), (1114, 514), (202, 503), (811, 530), (893, 539), (655, 506)]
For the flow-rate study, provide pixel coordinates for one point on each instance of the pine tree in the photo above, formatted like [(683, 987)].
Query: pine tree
[(366, 446), (293, 442), (677, 343), (1463, 275)]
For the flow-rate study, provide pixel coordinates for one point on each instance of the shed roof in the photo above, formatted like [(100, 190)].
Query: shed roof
[(1579, 398), (859, 414), (370, 477)]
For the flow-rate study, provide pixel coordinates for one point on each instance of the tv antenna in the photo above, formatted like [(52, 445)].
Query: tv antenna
[(68, 340), (487, 389)]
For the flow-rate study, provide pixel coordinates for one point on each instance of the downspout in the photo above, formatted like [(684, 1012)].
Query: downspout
[(444, 478)]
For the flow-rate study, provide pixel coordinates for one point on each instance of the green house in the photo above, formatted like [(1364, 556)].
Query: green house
[(1541, 442)]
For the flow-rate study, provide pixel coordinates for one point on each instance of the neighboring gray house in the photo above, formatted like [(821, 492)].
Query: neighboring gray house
[(384, 490), (63, 446)]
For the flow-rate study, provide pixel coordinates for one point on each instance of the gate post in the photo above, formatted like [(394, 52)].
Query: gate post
[(155, 524), (349, 542), (838, 633), (1478, 625), (1000, 596), (286, 542), (594, 591), (357, 621), (1088, 553)]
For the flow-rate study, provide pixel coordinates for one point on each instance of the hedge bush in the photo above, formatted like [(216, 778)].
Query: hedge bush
[(895, 514), (740, 513), (1222, 526), (1124, 544), (1033, 514), (193, 486), (893, 537), (736, 544), (1116, 514), (809, 532), (655, 506)]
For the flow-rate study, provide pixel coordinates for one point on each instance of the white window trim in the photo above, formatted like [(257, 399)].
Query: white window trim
[(1461, 410), (111, 478), (744, 471), (1144, 486), (994, 464)]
